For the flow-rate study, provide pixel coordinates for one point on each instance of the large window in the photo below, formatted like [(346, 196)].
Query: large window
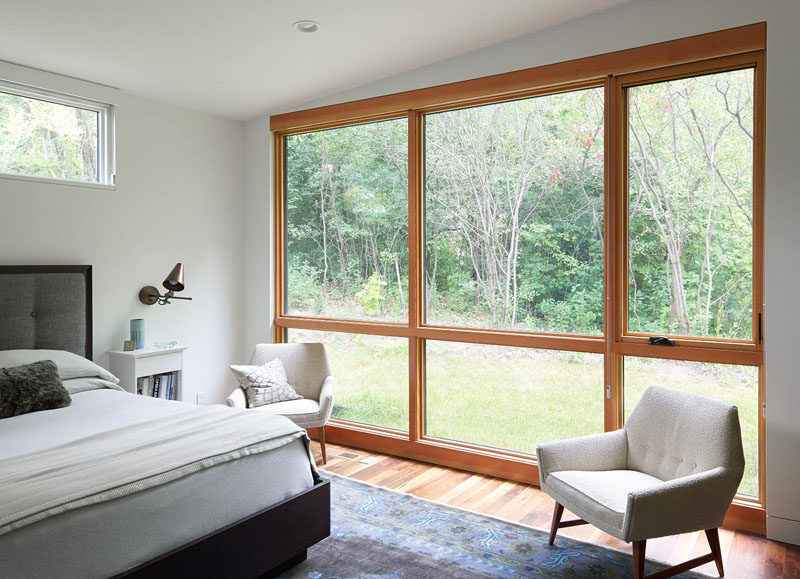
[(347, 229), (690, 206), (514, 214), (511, 398), (52, 136), (502, 262)]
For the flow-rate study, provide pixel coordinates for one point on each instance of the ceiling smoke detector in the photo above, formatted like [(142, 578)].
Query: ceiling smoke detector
[(306, 26)]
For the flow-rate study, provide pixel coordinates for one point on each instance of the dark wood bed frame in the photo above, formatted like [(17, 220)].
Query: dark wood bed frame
[(263, 544)]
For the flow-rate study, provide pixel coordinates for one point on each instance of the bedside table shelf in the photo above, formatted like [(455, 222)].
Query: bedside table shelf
[(147, 363)]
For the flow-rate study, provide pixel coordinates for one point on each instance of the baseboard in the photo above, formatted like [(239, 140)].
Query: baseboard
[(785, 530), (746, 517)]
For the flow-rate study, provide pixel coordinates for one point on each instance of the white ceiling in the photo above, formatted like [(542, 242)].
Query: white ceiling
[(241, 58)]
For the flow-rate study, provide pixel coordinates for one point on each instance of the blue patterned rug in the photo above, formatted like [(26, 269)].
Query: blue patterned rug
[(378, 533)]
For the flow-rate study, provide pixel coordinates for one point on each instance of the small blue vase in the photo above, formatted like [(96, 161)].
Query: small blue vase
[(137, 332)]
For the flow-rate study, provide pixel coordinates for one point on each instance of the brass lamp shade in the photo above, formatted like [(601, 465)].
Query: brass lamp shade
[(174, 281)]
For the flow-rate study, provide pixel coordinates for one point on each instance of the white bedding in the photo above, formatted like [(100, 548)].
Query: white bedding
[(106, 538)]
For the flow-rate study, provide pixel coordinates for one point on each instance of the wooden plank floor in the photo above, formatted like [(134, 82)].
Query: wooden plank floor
[(745, 556)]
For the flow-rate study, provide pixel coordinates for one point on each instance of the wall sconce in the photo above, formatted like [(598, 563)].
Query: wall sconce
[(149, 294)]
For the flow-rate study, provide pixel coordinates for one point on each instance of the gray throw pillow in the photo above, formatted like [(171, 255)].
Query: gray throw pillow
[(265, 384), (30, 388)]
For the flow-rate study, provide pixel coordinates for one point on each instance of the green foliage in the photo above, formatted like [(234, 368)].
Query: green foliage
[(346, 209), (579, 312), (370, 296), (690, 214), (513, 213), (44, 139), (304, 285), (514, 195)]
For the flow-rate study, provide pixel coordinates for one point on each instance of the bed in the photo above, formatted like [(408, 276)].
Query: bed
[(249, 511)]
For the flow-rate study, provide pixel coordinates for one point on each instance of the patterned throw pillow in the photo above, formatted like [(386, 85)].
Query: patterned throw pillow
[(264, 384)]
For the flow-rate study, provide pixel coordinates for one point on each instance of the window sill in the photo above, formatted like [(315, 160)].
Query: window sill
[(50, 181)]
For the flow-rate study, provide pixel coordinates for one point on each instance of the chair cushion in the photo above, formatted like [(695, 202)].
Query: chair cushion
[(599, 497), (305, 413)]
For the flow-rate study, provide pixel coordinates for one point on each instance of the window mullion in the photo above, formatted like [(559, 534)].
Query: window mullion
[(416, 347), (614, 274)]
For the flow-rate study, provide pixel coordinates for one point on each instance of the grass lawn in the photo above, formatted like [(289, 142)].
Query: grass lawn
[(515, 398), (511, 398), (371, 375)]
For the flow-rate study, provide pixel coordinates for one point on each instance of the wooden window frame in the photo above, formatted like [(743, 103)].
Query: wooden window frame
[(725, 350), (735, 48)]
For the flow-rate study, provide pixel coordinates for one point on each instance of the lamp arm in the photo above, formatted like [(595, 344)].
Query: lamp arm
[(164, 299), (149, 295)]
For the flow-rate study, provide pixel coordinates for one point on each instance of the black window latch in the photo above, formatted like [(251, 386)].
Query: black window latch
[(660, 341)]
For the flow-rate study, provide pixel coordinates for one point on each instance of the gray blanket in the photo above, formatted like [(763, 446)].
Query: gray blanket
[(130, 459)]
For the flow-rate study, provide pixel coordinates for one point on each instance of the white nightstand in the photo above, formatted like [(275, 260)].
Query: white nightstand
[(148, 362)]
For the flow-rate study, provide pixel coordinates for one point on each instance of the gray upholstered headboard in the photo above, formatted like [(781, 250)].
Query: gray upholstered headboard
[(46, 307)]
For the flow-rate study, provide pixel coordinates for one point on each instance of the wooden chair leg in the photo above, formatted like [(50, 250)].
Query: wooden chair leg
[(715, 555), (638, 559), (559, 510), (713, 541), (322, 443)]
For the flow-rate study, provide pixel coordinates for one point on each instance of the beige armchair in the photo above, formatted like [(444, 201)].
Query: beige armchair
[(308, 372), (674, 468)]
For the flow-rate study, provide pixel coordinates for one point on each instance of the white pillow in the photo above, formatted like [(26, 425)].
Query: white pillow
[(265, 384), (76, 385), (69, 365)]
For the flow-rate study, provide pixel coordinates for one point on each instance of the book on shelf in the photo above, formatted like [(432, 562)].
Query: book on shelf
[(164, 386), (164, 393), (143, 386), (158, 386)]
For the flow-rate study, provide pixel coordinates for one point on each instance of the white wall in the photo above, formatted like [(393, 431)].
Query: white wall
[(258, 243), (179, 197), (649, 21)]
